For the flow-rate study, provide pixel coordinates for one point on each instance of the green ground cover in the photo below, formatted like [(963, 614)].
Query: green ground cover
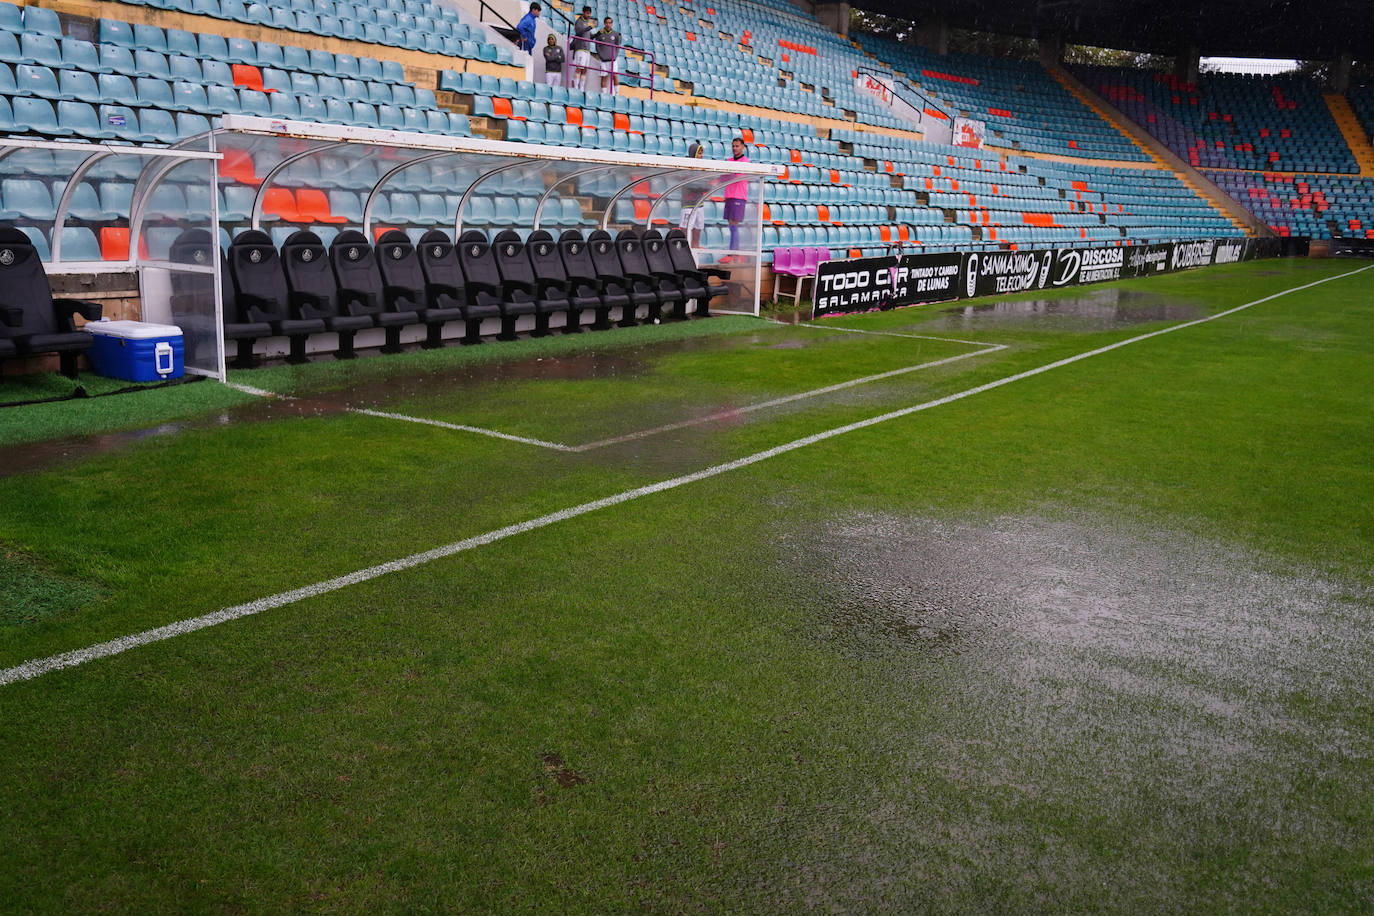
[(1094, 640)]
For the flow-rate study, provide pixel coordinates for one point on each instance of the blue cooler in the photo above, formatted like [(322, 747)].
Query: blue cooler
[(135, 351)]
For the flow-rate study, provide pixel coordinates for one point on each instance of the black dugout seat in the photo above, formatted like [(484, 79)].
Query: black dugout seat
[(261, 297), (484, 283), (653, 252), (663, 287), (31, 321), (660, 264), (610, 272), (190, 290), (585, 290), (405, 287), (360, 287), (696, 281), (444, 277), (314, 292), (514, 258), (552, 278)]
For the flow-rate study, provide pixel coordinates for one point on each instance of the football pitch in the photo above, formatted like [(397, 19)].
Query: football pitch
[(1060, 601)]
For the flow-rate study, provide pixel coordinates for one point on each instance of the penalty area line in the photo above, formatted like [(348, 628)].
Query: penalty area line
[(38, 667)]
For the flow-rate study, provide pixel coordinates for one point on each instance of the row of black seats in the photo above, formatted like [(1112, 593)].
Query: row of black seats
[(32, 322), (308, 289)]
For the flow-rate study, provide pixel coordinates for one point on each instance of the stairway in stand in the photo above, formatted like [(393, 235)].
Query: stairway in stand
[(1239, 217), (1352, 131)]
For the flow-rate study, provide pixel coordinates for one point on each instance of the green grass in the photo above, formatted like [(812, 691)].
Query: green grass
[(1094, 640)]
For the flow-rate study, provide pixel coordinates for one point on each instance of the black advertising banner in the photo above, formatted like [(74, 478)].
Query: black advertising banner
[(993, 273), (1192, 254), (865, 284), (1148, 260), (926, 278), (1229, 251), (859, 285)]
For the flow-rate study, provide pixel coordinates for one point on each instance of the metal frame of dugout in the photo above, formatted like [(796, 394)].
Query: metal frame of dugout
[(526, 185), (161, 193)]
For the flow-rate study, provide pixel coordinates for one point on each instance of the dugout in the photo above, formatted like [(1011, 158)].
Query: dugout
[(279, 176)]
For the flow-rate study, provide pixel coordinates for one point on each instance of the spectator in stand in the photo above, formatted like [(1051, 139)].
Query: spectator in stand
[(553, 62), (609, 53), (527, 26), (736, 193), (581, 47), (693, 213)]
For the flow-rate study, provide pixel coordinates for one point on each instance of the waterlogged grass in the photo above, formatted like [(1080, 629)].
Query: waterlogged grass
[(1093, 640), (29, 593), (153, 404)]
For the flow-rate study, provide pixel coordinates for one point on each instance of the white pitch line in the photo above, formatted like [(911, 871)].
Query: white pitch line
[(249, 389), (777, 402), (37, 667), (719, 415), (833, 327), (557, 446)]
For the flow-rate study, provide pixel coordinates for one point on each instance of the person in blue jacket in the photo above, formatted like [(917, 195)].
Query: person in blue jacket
[(527, 26)]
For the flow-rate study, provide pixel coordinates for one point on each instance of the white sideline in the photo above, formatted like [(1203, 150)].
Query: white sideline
[(719, 415), (249, 389), (37, 667), (496, 434)]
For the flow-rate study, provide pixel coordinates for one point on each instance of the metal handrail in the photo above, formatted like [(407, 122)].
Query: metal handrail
[(896, 83), (647, 55), (483, 6)]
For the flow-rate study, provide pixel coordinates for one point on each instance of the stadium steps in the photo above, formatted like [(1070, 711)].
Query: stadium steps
[(1350, 127), (1240, 217)]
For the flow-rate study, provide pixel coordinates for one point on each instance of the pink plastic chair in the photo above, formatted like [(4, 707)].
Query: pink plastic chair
[(800, 265), (786, 263)]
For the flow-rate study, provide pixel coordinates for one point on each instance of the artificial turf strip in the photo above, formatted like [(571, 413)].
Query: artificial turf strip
[(647, 709), (146, 406)]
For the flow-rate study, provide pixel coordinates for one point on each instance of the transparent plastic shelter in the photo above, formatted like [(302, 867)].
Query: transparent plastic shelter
[(280, 176), (98, 209)]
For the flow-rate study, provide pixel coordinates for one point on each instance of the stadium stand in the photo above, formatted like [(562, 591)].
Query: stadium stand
[(1229, 120), (854, 179)]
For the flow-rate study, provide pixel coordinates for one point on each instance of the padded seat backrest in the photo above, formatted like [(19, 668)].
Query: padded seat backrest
[(439, 263), (195, 246), (259, 283), (631, 251), (400, 265), (355, 270), (544, 257), (25, 286), (511, 259), (474, 253), (656, 253), (305, 262), (576, 255), (604, 256), (680, 251)]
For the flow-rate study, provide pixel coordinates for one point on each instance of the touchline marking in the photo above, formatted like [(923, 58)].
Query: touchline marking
[(558, 446), (777, 402), (37, 667), (834, 327), (983, 346), (249, 389)]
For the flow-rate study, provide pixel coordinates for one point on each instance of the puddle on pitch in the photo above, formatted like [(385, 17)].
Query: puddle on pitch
[(1093, 310), (458, 382), (1073, 586)]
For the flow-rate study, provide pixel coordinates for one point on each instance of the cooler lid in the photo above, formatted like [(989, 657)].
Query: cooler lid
[(132, 330)]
